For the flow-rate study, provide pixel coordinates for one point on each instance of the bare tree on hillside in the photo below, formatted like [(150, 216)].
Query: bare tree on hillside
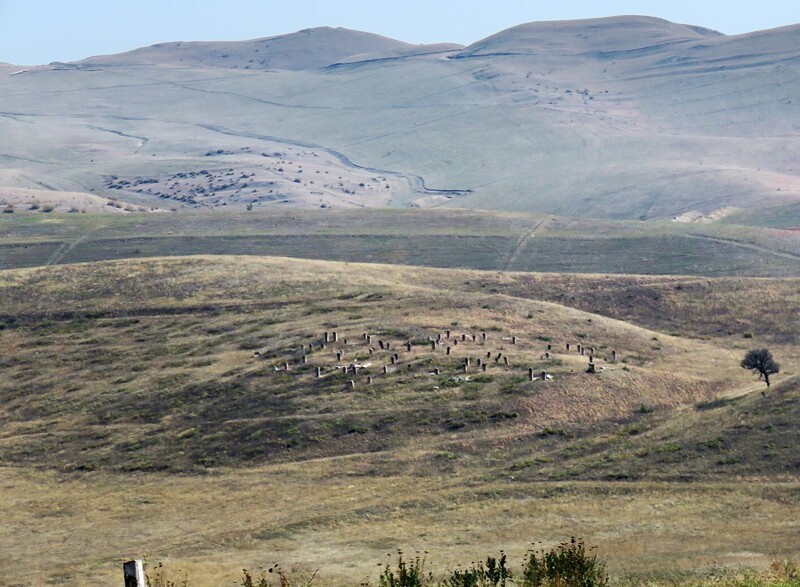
[(761, 361)]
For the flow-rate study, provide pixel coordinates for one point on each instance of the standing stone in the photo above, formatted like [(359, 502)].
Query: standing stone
[(547, 355), (530, 373), (480, 362), (484, 367), (591, 350), (483, 334), (591, 359), (408, 347), (549, 347), (437, 371), (433, 345), (352, 384), (369, 380), (489, 354), (371, 351), (448, 334), (133, 574), (455, 342), (474, 338), (380, 343), (513, 340), (568, 346), (544, 376), (583, 352), (448, 351), (393, 359), (338, 356), (326, 337), (466, 361), (305, 359), (463, 338), (286, 366), (466, 368), (385, 370), (613, 356), (335, 336), (355, 370), (345, 341), (505, 360)]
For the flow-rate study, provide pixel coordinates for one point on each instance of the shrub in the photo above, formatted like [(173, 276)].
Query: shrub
[(566, 565), (492, 574), (407, 573)]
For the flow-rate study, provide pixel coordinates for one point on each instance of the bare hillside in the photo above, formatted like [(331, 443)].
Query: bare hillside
[(627, 118)]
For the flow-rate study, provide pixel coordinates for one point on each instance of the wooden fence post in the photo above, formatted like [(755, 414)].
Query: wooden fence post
[(133, 572)]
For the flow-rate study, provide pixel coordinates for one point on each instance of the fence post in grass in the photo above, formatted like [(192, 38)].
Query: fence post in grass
[(613, 356), (448, 350), (433, 345), (326, 337), (483, 367), (408, 347), (513, 340), (463, 338), (385, 370), (133, 572), (319, 372), (530, 373), (448, 334), (483, 334), (505, 360)]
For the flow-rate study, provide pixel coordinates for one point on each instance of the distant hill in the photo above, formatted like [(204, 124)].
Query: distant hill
[(629, 118), (306, 49)]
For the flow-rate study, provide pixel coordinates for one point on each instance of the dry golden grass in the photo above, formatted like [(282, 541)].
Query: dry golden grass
[(120, 378)]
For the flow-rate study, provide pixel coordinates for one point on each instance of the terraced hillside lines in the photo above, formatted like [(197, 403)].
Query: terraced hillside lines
[(434, 238)]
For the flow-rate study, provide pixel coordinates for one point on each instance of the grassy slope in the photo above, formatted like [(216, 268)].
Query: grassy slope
[(128, 368), (472, 239)]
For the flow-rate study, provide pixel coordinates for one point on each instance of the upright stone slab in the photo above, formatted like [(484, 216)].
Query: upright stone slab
[(133, 573), (530, 373)]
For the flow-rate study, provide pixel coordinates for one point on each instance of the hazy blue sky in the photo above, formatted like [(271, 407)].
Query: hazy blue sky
[(41, 31)]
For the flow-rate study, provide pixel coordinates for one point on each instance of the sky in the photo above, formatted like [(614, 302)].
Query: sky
[(41, 31)]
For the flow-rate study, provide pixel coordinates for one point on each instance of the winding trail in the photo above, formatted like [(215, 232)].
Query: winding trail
[(520, 246), (62, 251)]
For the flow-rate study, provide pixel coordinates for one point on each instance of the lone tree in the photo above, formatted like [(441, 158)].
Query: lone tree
[(761, 360)]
